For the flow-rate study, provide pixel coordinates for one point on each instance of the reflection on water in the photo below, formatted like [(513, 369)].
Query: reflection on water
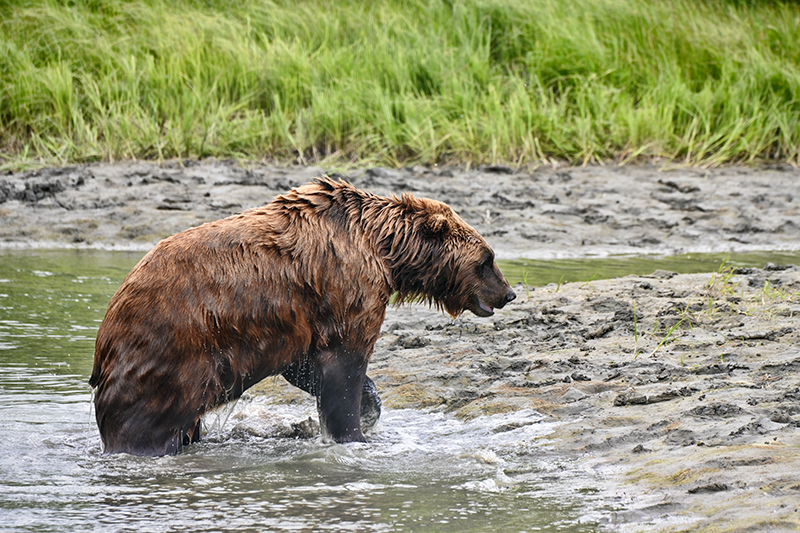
[(540, 273), (421, 471)]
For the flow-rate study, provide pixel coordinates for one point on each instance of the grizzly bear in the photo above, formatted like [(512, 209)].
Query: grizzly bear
[(298, 287)]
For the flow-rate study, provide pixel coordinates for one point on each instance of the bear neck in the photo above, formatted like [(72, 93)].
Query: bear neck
[(418, 264), (414, 258)]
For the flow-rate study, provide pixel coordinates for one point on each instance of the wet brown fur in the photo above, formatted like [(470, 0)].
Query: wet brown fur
[(214, 309)]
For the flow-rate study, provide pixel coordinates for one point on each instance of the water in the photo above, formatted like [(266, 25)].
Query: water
[(421, 471), (543, 272)]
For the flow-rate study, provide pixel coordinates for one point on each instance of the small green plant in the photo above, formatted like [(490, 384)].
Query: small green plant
[(525, 281), (589, 281), (711, 306), (667, 338), (721, 280), (771, 293)]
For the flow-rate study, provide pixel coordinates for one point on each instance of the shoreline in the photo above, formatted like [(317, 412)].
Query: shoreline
[(681, 390), (547, 213)]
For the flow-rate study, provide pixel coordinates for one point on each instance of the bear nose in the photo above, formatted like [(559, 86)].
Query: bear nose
[(510, 295)]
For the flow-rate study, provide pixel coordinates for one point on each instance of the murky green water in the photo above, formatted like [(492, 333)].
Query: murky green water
[(540, 273), (421, 471)]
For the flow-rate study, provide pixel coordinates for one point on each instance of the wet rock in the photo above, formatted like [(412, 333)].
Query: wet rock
[(664, 396), (509, 203), (639, 399), (679, 203), (711, 487), (498, 169), (770, 335), (135, 232), (412, 396), (511, 426), (725, 462), (630, 399), (718, 368), (175, 203), (32, 192), (168, 178), (681, 437), (664, 274), (672, 186), (604, 305), (600, 332), (716, 410), (305, 429), (409, 340), (572, 395), (780, 417), (500, 364), (772, 267), (762, 426)]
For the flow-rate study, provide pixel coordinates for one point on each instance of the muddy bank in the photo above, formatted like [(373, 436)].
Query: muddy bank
[(681, 391), (684, 390), (533, 213)]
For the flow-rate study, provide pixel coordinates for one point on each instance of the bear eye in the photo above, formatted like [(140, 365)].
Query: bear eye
[(488, 265)]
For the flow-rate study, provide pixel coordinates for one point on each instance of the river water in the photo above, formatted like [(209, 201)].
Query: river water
[(420, 471)]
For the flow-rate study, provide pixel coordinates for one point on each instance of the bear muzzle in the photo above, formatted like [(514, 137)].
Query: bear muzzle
[(481, 308)]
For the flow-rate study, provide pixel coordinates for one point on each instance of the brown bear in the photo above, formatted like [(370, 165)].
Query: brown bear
[(298, 287)]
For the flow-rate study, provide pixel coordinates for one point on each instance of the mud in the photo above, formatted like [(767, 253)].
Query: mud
[(681, 391), (533, 213)]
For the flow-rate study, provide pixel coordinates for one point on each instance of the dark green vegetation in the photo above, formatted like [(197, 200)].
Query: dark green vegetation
[(399, 82)]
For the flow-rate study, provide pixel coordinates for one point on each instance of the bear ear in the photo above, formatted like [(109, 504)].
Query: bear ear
[(438, 223)]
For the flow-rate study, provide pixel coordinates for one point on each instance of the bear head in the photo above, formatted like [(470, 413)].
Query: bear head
[(454, 266)]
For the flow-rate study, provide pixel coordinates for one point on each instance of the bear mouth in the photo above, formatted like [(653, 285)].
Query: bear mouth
[(481, 308)]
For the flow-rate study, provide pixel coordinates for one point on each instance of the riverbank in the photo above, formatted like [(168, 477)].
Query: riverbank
[(535, 213), (680, 392)]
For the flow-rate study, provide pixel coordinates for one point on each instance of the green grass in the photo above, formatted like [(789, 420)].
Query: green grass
[(399, 82)]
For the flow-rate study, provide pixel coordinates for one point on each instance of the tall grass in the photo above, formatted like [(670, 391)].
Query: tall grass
[(399, 82)]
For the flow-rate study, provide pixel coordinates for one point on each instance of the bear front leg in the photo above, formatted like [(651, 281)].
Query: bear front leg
[(370, 404), (339, 387), (301, 375)]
